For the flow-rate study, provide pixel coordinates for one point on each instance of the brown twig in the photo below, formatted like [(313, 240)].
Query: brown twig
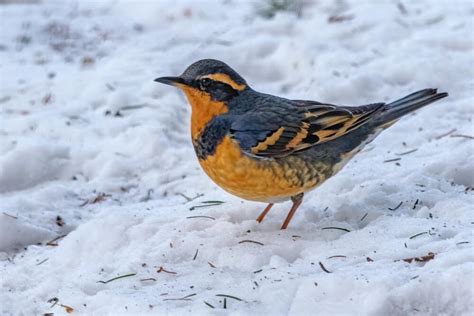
[(68, 309), (426, 258), (53, 242), (211, 265), (99, 198), (161, 269)]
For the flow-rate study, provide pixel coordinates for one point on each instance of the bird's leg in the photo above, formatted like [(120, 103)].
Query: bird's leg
[(297, 199), (265, 211)]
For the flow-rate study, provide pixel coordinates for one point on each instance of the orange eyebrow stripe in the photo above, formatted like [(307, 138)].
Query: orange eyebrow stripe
[(226, 79)]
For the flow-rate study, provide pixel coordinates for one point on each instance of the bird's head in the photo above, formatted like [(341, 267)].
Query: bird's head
[(209, 85)]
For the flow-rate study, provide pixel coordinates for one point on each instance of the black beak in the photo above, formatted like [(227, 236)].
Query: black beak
[(172, 81)]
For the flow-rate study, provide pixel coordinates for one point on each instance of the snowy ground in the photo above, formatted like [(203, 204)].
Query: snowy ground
[(92, 148)]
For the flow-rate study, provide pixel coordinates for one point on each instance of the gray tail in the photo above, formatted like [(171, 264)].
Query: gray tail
[(395, 110)]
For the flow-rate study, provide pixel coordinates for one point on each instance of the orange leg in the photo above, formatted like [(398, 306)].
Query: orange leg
[(265, 211), (297, 200)]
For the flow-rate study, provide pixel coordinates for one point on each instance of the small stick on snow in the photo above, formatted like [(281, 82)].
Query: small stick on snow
[(463, 136), (230, 296), (185, 298), (407, 152), (161, 269), (337, 256), (68, 309), (323, 267), (251, 241), (396, 207), (202, 216), (6, 214), (54, 241), (188, 199), (206, 204), (211, 265), (116, 278), (39, 263), (338, 228), (419, 234), (392, 160), (445, 134), (426, 258), (53, 300), (416, 203)]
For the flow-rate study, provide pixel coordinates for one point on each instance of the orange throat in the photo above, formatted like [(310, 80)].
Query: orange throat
[(203, 109)]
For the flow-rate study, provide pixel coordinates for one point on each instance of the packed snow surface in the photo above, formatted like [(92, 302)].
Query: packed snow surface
[(98, 179)]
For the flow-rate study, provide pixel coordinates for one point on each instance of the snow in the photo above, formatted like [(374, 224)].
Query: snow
[(86, 135)]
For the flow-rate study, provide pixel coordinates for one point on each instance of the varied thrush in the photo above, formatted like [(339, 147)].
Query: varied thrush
[(269, 149)]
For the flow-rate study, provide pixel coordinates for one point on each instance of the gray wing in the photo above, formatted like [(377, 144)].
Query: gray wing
[(283, 128)]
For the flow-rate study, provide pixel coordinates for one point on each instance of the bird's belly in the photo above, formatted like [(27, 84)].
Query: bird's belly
[(265, 180)]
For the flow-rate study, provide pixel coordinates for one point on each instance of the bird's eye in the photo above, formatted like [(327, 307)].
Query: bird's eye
[(205, 83)]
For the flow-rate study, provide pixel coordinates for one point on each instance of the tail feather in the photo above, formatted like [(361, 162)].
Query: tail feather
[(395, 110)]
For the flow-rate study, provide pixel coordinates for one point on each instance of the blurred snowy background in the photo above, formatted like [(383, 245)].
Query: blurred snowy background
[(98, 178)]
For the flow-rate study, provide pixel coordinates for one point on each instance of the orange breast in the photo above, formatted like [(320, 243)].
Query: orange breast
[(259, 180), (203, 109)]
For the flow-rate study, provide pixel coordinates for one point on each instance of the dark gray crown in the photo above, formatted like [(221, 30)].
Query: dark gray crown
[(211, 66)]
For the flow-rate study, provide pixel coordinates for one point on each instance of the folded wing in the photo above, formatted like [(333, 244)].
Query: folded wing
[(279, 130)]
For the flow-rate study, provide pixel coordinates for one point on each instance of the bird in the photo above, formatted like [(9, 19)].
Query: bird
[(266, 148)]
